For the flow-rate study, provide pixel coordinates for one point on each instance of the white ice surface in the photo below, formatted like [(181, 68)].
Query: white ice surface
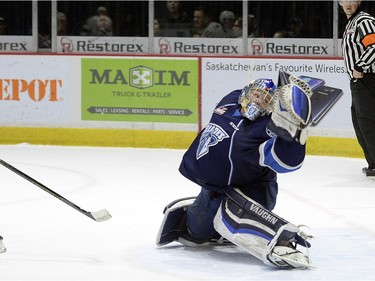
[(48, 240)]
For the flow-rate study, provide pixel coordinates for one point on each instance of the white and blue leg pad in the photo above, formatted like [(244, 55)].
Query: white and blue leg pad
[(174, 221), (260, 232)]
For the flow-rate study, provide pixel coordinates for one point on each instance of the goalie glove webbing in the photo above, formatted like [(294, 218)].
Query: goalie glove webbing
[(291, 111)]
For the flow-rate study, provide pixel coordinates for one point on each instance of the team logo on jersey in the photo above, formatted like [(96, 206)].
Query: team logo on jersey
[(220, 110), (211, 136)]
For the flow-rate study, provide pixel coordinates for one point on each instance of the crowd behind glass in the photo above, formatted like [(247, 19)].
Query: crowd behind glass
[(214, 19)]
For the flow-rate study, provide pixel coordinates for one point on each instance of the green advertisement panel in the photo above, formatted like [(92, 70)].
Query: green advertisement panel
[(139, 89)]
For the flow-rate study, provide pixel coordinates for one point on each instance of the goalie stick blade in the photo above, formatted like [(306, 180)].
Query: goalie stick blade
[(100, 216)]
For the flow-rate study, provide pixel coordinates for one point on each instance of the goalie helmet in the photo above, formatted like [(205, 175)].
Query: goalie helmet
[(256, 98)]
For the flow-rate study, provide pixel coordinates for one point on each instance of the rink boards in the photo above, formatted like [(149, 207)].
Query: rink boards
[(147, 101)]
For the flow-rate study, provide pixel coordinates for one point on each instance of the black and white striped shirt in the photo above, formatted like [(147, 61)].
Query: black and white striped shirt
[(358, 44)]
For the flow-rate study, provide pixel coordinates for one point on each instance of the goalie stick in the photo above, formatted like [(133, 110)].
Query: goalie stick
[(99, 216)]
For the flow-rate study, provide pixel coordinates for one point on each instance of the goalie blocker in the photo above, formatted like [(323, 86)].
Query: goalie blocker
[(260, 232)]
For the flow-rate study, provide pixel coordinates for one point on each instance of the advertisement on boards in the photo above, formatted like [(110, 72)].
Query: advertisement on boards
[(291, 47), (140, 89), (190, 46), (102, 45), (17, 44), (34, 91), (220, 76), (198, 46)]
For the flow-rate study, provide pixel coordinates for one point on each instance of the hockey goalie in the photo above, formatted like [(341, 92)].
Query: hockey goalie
[(253, 134)]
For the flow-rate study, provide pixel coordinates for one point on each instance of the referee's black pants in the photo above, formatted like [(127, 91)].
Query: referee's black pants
[(363, 115)]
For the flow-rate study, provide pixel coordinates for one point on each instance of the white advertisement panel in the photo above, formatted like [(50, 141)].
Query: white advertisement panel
[(223, 75), (102, 45), (291, 47), (46, 90), (34, 90), (17, 44), (198, 46)]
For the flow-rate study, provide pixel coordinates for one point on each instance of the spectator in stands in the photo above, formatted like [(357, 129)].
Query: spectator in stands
[(222, 29), (252, 27), (61, 24), (104, 26), (157, 29), (3, 26), (44, 40), (281, 34), (174, 20), (253, 30), (237, 27), (99, 24), (201, 20), (295, 28)]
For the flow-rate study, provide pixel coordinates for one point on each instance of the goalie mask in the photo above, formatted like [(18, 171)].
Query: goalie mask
[(256, 98)]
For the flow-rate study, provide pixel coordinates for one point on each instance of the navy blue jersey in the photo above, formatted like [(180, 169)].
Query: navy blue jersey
[(234, 151)]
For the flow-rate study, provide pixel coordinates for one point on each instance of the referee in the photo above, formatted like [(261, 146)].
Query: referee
[(358, 47)]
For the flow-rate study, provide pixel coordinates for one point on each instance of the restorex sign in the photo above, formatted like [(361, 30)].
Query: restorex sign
[(140, 89)]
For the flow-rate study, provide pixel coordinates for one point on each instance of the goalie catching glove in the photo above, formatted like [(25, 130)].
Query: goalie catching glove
[(291, 111)]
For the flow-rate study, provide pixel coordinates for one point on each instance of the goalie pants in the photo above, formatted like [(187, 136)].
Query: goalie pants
[(363, 115), (201, 214)]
